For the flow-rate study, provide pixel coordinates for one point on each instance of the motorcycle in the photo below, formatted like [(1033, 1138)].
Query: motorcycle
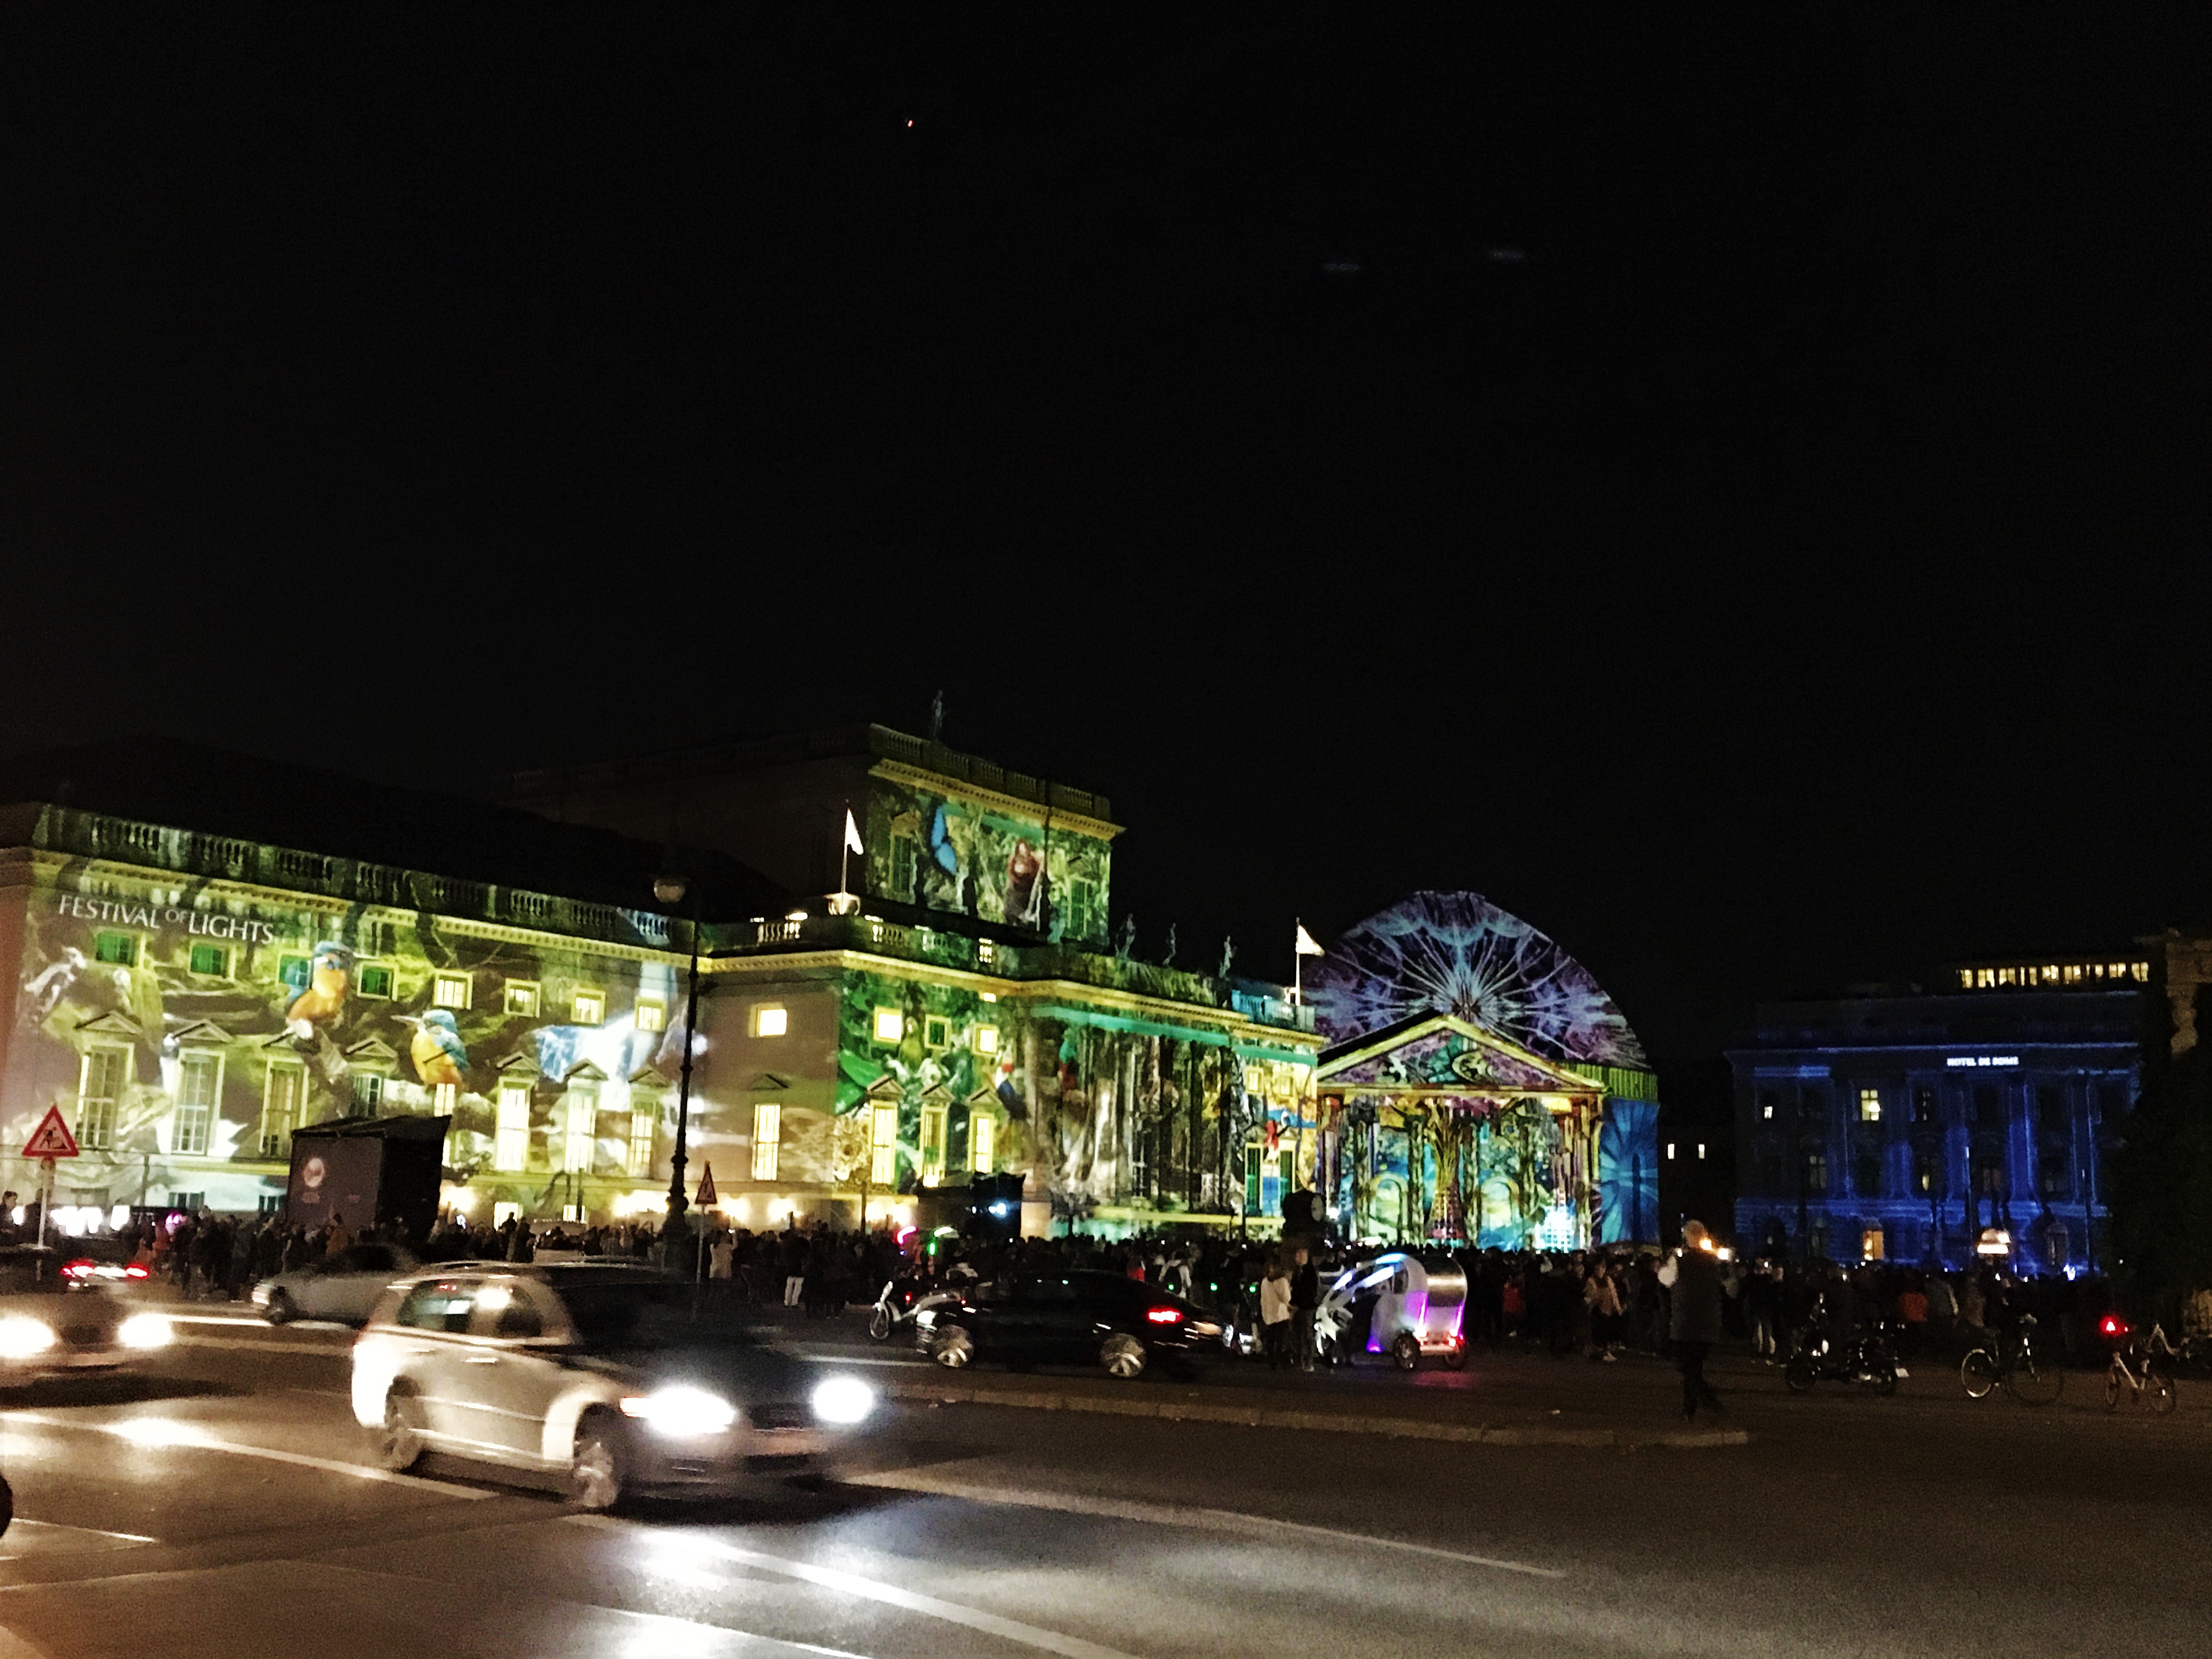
[(902, 1298), (1866, 1362)]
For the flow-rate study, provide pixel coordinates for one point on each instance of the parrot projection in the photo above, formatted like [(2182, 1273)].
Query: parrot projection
[(324, 997), (439, 1055)]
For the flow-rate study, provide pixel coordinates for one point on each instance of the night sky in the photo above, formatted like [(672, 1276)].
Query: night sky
[(1737, 498)]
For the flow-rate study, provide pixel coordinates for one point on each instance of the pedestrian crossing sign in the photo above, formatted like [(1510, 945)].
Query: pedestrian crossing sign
[(706, 1186), (51, 1138)]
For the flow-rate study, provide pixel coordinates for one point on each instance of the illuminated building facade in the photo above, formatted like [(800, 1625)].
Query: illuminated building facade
[(212, 952), (1923, 1125), (1478, 1084)]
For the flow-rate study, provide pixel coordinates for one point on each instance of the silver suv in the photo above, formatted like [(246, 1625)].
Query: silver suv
[(619, 1381)]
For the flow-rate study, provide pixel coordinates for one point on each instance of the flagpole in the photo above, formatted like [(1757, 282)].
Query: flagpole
[(1297, 965), (844, 850)]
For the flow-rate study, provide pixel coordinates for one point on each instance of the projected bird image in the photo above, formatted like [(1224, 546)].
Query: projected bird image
[(328, 981), (438, 1052)]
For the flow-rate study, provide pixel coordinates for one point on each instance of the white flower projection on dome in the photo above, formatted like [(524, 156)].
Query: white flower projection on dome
[(1458, 953)]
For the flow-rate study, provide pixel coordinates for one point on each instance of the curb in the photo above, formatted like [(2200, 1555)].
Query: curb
[(1250, 1417)]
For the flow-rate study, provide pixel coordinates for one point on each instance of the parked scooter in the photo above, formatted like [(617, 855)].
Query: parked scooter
[(902, 1297)]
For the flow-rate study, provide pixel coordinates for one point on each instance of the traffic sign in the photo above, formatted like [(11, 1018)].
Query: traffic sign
[(51, 1138), (706, 1186)]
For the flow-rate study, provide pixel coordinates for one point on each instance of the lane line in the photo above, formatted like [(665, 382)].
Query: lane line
[(63, 1526), (248, 1345), (665, 1621), (876, 1589), (1177, 1514), (173, 1434)]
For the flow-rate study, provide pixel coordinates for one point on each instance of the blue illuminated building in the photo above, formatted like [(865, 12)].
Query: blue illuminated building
[(1925, 1126)]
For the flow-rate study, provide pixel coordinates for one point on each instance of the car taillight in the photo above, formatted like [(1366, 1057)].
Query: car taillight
[(136, 1270), (80, 1268), (2113, 1326), (1163, 1316)]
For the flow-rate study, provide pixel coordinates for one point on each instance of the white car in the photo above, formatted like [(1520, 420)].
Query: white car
[(616, 1380), (343, 1287)]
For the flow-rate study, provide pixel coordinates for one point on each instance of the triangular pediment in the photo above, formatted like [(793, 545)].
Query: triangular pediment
[(586, 1072), (986, 1099), (885, 1089), (372, 1051), (650, 1077), (1444, 1053), (770, 1082), (113, 1024), (517, 1065), (937, 1094), (200, 1031)]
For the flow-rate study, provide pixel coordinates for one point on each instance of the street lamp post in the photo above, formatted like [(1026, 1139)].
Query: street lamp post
[(669, 890)]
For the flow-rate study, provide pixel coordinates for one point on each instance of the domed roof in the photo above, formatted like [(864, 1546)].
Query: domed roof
[(1458, 953)]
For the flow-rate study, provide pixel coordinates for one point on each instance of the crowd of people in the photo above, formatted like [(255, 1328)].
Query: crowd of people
[(1597, 1303)]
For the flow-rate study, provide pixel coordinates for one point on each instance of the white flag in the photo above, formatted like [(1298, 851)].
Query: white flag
[(851, 833), (1305, 946)]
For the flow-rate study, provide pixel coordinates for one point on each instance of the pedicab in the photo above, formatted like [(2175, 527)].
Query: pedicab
[(1403, 1303)]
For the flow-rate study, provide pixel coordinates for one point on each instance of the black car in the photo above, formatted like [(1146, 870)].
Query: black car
[(1082, 1319)]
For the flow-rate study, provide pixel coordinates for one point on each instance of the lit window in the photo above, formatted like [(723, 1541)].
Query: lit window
[(450, 991), (2141, 972), (522, 998), (512, 1149), (369, 1091), (1766, 1108), (1701, 1149), (652, 1014), (1870, 1245), (982, 1131), (644, 1119), (100, 1084), (890, 1025), (1966, 979), (768, 1129), (933, 1144), (373, 981), (211, 960), (2073, 973), (990, 996), (772, 1021), (936, 1031), (1870, 1105), (986, 952), (2007, 976), (280, 1109), (985, 1039), (587, 1007), (581, 1140), (1985, 978), (116, 949), (198, 1080), (1670, 1149), (883, 1164), (444, 1096)]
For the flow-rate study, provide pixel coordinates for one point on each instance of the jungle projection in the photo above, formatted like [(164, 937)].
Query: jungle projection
[(945, 854), (1101, 1115), (255, 1019), (1458, 953)]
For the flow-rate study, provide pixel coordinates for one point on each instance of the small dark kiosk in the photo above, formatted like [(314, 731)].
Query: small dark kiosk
[(372, 1171)]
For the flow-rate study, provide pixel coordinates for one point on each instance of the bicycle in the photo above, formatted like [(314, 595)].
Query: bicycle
[(2031, 1377), (2155, 1380)]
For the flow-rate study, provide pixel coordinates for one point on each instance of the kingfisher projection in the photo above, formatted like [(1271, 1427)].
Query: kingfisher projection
[(1458, 953), (438, 1052)]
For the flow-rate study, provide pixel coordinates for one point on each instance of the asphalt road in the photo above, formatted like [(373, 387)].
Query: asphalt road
[(224, 1507)]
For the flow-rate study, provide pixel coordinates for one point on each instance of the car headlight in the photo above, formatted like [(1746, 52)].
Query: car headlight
[(260, 1296), (843, 1400), (681, 1413), (21, 1336), (146, 1330)]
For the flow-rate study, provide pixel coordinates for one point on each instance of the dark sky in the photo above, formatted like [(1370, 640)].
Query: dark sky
[(1734, 497)]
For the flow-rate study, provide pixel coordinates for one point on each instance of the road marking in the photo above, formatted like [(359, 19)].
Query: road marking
[(1177, 1514), (63, 1526), (875, 1589), (839, 1357), (167, 1433)]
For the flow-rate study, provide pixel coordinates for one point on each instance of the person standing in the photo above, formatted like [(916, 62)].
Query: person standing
[(1693, 1274), (1305, 1301), (1275, 1314)]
